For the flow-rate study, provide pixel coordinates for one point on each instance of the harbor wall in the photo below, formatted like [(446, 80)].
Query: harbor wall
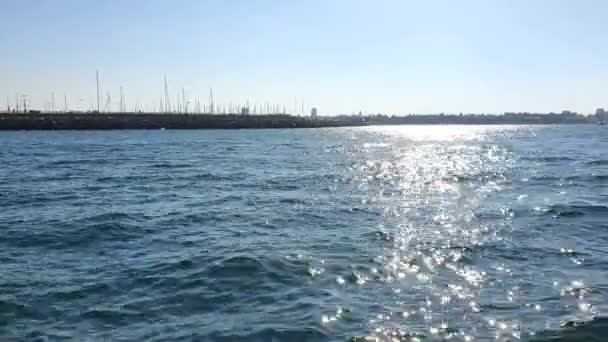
[(107, 121)]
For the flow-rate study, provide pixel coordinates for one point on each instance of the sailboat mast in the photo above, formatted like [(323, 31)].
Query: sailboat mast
[(97, 79), (108, 101), (184, 104), (211, 109), (122, 100), (167, 102)]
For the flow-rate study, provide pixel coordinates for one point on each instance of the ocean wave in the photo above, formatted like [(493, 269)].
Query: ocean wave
[(592, 178), (283, 185), (573, 179), (276, 270), (476, 177), (155, 178), (548, 159), (235, 273), (576, 210), (112, 316), (598, 162), (203, 285), (78, 162), (95, 233), (291, 183), (546, 178), (78, 292), (602, 178), (594, 330), (202, 216), (11, 308), (73, 235), (109, 216), (207, 176), (294, 201), (169, 166), (123, 179), (310, 334)]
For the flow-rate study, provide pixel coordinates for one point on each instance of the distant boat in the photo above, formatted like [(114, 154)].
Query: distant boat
[(601, 123)]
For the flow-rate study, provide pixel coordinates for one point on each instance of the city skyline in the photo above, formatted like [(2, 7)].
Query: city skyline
[(341, 57)]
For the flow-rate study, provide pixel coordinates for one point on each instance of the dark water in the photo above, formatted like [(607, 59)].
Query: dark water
[(363, 234)]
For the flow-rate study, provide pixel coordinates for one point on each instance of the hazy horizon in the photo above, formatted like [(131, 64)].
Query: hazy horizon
[(391, 57)]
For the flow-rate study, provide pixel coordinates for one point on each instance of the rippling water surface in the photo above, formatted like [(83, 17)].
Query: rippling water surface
[(423, 233)]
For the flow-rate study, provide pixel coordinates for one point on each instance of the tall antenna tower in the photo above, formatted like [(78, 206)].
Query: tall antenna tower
[(97, 78), (8, 105), (52, 101), (65, 103)]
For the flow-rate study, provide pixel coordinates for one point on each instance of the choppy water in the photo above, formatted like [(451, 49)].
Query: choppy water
[(362, 234)]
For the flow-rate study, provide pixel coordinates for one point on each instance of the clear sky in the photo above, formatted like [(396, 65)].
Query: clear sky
[(343, 56)]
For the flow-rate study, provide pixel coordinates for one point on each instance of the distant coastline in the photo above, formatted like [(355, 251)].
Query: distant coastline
[(35, 120)]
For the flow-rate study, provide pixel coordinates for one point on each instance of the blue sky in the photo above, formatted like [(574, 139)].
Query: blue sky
[(343, 56)]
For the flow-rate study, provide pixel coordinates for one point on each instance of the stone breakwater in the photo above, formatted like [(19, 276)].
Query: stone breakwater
[(111, 121)]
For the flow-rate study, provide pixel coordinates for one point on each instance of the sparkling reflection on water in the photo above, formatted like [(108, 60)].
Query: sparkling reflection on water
[(449, 267)]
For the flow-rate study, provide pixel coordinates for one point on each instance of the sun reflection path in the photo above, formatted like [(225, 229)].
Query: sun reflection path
[(426, 259), (439, 209)]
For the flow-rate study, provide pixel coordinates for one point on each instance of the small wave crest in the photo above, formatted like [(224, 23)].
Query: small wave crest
[(598, 162), (576, 210), (271, 334), (548, 159), (81, 232), (594, 330)]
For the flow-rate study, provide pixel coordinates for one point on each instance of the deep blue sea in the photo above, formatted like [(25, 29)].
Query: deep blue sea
[(388, 233)]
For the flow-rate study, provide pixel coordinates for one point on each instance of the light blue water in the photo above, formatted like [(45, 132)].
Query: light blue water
[(364, 234)]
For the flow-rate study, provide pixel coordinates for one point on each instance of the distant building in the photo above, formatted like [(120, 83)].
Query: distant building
[(245, 111), (313, 112)]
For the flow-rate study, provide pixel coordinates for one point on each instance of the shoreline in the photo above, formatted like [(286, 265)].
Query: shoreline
[(121, 121)]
